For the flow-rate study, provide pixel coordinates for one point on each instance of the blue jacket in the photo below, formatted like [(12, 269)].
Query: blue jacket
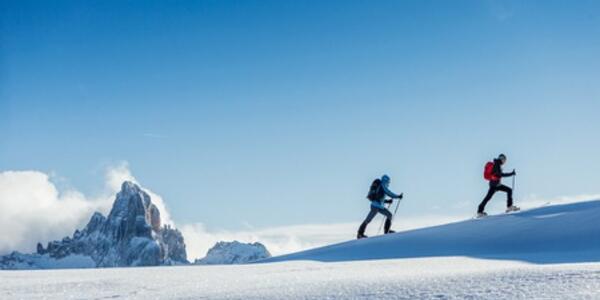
[(386, 191)]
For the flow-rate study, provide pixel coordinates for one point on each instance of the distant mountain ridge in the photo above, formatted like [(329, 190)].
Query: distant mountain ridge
[(228, 253), (131, 235)]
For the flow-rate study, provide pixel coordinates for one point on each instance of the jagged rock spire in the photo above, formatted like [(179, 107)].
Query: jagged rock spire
[(131, 235)]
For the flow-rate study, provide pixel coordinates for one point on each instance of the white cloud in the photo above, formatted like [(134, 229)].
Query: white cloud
[(33, 209), (115, 175)]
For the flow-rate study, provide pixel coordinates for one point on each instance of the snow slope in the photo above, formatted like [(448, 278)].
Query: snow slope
[(552, 234), (431, 278)]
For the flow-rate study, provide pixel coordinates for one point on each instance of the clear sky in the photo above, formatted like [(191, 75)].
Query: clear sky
[(272, 113)]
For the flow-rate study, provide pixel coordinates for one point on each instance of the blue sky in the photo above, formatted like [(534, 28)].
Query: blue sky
[(272, 113)]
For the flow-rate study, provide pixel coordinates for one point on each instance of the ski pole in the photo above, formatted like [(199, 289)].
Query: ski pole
[(396, 210)]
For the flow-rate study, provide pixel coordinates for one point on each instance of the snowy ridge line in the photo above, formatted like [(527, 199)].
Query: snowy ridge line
[(564, 233)]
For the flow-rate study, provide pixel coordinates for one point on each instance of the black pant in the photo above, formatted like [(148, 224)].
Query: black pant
[(494, 187), (372, 214)]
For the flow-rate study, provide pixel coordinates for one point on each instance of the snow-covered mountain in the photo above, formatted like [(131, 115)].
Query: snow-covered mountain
[(131, 235), (227, 253), (567, 233)]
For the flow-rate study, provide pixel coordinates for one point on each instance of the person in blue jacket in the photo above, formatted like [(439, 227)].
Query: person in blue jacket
[(379, 189)]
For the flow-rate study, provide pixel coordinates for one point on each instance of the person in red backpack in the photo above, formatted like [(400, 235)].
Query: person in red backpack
[(493, 173)]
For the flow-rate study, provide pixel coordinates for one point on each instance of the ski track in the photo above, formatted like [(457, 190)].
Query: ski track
[(423, 278)]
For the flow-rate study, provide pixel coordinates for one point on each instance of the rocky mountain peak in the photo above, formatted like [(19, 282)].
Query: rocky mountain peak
[(131, 235)]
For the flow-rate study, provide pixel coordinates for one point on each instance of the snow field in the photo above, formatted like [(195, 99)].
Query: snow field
[(422, 278)]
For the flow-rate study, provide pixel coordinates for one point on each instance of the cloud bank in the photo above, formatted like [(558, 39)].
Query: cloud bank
[(32, 209)]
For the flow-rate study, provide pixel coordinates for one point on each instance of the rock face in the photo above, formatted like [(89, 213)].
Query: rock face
[(131, 235), (227, 253)]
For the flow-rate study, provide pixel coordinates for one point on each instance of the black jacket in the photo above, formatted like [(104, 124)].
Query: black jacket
[(497, 170)]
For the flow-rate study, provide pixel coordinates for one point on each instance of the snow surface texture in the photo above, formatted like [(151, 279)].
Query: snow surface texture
[(566, 233), (131, 235), (225, 253), (431, 278)]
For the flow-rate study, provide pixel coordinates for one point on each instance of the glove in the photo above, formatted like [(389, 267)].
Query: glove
[(401, 196), (514, 173), (389, 201)]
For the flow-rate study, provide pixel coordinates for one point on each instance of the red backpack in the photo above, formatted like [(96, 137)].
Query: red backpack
[(488, 172)]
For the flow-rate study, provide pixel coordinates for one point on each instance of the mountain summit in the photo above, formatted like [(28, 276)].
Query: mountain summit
[(131, 235)]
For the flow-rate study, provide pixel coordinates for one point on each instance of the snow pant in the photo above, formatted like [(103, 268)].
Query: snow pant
[(372, 214), (494, 187)]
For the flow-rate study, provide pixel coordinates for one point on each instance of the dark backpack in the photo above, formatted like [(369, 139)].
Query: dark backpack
[(376, 192)]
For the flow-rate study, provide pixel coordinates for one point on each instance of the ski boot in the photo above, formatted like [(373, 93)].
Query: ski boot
[(512, 208), (361, 236), (481, 215)]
